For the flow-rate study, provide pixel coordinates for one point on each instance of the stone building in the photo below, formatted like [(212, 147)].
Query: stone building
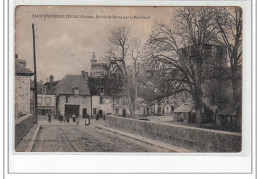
[(22, 88), (73, 96), (46, 97), (46, 104)]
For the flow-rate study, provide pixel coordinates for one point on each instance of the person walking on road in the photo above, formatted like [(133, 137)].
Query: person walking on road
[(87, 119), (77, 121), (74, 117), (49, 117)]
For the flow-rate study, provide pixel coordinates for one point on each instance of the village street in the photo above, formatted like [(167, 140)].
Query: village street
[(67, 137)]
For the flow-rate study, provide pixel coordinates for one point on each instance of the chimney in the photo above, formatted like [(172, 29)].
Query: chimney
[(51, 78), (51, 83)]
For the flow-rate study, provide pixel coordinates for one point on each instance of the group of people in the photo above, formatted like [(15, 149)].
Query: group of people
[(61, 119)]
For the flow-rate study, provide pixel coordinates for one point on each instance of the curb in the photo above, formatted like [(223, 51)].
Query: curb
[(149, 141), (32, 141)]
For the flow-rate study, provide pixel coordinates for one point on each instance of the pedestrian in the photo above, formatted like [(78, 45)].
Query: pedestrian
[(77, 123), (87, 119), (68, 119), (104, 117), (74, 117), (49, 117), (59, 117)]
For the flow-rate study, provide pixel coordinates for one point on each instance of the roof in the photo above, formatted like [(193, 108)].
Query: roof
[(66, 85), (184, 108), (48, 84), (21, 70), (227, 112)]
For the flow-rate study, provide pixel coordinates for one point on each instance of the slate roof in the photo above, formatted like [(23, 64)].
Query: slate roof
[(66, 85), (21, 70), (184, 108)]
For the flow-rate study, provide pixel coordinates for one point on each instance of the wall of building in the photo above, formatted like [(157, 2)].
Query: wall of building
[(46, 103), (198, 139), (22, 94), (106, 106), (84, 102), (165, 109)]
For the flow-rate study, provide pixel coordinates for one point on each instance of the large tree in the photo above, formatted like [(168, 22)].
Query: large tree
[(121, 50), (229, 23), (181, 50)]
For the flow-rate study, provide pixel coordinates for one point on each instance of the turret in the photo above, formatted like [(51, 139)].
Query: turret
[(93, 60)]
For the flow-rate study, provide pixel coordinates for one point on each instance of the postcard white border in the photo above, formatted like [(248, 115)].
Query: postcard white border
[(135, 162)]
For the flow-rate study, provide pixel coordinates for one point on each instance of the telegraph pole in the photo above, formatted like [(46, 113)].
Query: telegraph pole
[(35, 80)]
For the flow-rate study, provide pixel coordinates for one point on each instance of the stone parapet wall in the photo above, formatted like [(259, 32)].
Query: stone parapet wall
[(198, 139), (22, 125)]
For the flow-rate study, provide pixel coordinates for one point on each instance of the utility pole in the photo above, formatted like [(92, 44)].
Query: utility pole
[(35, 80)]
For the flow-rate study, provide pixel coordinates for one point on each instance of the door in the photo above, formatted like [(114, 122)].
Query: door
[(159, 110), (124, 112), (71, 109), (84, 112)]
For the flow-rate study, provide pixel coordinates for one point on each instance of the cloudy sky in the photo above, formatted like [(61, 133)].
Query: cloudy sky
[(64, 45)]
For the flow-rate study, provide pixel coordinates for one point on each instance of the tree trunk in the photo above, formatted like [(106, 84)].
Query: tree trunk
[(130, 104), (197, 98)]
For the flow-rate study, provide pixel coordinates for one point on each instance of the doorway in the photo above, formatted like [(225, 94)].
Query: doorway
[(71, 109)]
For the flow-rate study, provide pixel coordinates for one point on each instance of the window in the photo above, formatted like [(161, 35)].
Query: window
[(101, 91), (44, 90), (47, 100), (67, 99), (76, 91), (39, 100), (94, 110), (101, 100)]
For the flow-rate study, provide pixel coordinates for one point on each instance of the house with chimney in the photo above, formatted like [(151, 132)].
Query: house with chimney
[(46, 97), (73, 96), (23, 88)]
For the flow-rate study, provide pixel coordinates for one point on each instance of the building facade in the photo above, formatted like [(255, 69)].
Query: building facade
[(46, 104), (73, 96), (22, 88)]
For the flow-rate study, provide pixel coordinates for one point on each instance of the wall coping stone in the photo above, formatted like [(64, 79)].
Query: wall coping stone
[(19, 120)]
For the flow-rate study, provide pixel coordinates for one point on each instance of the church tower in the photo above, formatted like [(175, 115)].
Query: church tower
[(93, 60)]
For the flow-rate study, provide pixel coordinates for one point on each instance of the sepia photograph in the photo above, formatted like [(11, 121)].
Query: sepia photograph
[(146, 79)]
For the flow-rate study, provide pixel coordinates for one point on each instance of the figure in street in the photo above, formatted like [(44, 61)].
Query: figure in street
[(49, 117), (77, 121), (74, 118), (87, 120)]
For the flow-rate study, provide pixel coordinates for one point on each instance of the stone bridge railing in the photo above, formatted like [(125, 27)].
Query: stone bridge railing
[(22, 125), (193, 138)]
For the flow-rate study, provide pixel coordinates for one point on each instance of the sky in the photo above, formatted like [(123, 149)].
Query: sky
[(67, 36)]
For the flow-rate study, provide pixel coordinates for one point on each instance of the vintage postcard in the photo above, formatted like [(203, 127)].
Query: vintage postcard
[(128, 79)]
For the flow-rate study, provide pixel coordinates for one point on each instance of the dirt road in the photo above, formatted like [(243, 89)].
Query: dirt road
[(57, 137)]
